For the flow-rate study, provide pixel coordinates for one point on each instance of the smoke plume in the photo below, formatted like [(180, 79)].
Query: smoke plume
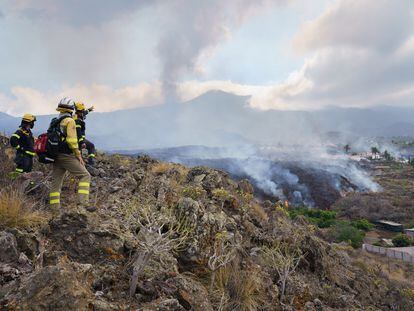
[(194, 30)]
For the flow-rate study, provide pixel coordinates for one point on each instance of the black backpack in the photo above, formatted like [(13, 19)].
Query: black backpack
[(48, 144)]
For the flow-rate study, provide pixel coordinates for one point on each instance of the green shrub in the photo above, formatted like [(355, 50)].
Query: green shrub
[(401, 240), (321, 218), (344, 232), (362, 224)]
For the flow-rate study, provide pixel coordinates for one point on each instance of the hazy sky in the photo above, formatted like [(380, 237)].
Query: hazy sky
[(287, 54)]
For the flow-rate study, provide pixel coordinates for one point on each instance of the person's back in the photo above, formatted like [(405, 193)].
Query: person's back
[(69, 159), (23, 141)]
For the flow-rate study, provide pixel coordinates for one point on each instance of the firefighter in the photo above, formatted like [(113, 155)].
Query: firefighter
[(84, 144), (69, 159), (23, 141)]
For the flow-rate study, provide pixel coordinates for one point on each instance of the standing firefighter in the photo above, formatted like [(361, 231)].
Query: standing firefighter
[(84, 144), (23, 141), (68, 158)]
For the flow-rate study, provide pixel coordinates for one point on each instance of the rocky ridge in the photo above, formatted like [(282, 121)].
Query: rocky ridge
[(167, 237)]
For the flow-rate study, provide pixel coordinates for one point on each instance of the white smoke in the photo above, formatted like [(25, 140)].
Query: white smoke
[(194, 29), (269, 168)]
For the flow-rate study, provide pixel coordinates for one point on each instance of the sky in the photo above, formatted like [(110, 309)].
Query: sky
[(285, 54)]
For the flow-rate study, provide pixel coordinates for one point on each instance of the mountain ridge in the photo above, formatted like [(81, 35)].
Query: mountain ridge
[(217, 118)]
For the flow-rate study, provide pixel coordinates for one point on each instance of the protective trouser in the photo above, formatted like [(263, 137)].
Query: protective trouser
[(68, 163), (91, 150), (24, 162)]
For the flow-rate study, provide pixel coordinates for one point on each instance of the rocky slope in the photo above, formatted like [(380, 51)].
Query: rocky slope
[(166, 237)]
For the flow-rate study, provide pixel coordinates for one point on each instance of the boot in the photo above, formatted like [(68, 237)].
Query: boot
[(91, 161)]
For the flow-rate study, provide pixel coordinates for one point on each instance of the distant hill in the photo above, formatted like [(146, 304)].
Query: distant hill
[(7, 123), (221, 119)]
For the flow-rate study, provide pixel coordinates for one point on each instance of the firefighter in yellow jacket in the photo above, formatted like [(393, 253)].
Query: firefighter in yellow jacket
[(69, 159)]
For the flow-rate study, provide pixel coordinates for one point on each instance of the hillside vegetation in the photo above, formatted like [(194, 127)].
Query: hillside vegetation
[(395, 201), (168, 237)]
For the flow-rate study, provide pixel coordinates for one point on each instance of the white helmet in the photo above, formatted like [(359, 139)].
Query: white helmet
[(66, 105)]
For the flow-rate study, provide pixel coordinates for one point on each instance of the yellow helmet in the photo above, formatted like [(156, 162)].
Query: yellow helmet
[(79, 106), (29, 118)]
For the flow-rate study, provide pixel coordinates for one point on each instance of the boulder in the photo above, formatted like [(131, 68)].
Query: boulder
[(209, 179), (191, 294), (65, 287), (162, 304), (8, 248), (189, 208), (26, 242), (88, 239), (8, 273)]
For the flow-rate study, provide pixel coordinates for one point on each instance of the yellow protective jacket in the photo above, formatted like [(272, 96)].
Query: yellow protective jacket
[(68, 128)]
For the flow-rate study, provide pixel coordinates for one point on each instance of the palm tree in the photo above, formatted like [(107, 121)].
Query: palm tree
[(347, 148)]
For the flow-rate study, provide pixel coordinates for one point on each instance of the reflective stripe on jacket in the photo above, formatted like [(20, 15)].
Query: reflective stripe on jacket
[(23, 141), (68, 128), (80, 129)]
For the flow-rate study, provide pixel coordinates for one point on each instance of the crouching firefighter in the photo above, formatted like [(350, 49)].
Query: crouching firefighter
[(23, 141), (68, 158), (84, 144)]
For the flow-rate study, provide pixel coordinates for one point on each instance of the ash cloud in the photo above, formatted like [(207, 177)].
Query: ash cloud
[(196, 28)]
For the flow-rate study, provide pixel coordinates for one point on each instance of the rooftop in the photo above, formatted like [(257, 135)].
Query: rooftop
[(388, 222)]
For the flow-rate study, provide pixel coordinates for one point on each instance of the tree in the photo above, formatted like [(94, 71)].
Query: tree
[(347, 148), (387, 156), (374, 150), (345, 232)]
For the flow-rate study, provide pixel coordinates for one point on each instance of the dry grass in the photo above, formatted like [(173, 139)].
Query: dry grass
[(236, 289), (177, 172), (258, 211), (118, 160), (7, 165), (161, 168), (17, 212)]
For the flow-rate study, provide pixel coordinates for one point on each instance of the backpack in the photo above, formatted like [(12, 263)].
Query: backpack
[(47, 144)]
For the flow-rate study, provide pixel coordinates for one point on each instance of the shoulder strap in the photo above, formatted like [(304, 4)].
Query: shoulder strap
[(55, 124)]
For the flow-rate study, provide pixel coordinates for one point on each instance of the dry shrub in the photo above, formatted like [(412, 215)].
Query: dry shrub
[(194, 192), (283, 258), (159, 233), (258, 211), (237, 289), (118, 160), (161, 168), (225, 198), (17, 212), (176, 172), (408, 293)]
